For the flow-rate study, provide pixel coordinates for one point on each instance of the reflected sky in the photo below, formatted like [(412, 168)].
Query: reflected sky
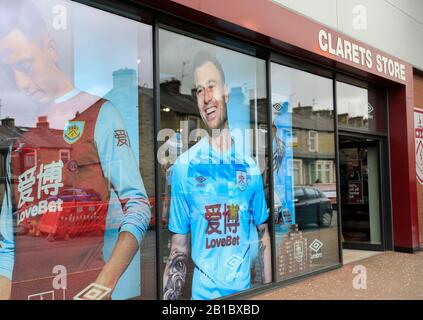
[(177, 53), (301, 87), (88, 52), (352, 100)]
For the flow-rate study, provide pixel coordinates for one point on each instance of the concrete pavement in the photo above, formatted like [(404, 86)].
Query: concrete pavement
[(390, 275)]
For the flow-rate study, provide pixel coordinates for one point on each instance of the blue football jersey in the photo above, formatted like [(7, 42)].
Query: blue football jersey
[(215, 197)]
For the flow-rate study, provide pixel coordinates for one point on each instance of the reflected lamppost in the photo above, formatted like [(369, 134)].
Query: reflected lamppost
[(183, 75)]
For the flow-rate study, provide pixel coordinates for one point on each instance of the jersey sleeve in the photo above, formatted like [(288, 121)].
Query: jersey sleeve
[(179, 215), (259, 205), (121, 168), (7, 244)]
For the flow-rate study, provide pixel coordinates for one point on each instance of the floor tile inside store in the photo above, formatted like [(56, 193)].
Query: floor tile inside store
[(351, 256)]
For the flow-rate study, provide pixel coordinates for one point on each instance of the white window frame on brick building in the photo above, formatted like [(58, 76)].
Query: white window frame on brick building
[(326, 166), (313, 141), (66, 156)]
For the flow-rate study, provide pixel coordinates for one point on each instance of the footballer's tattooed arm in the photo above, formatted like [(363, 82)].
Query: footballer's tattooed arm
[(264, 253), (176, 268)]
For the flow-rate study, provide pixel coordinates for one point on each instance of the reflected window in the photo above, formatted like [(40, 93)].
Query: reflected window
[(361, 108), (325, 171), (313, 141), (30, 158), (64, 156), (298, 172)]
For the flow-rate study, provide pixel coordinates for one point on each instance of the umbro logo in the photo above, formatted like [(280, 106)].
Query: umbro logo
[(200, 179), (284, 106), (316, 245), (277, 106)]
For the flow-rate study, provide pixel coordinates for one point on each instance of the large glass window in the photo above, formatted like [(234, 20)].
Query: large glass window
[(306, 230), (361, 108), (213, 158), (77, 142)]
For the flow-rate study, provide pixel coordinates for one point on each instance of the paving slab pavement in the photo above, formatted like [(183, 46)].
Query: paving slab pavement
[(390, 276)]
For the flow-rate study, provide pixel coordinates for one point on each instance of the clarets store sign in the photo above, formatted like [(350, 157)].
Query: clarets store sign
[(361, 56)]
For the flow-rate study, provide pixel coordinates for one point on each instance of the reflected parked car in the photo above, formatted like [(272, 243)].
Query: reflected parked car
[(329, 190), (312, 206)]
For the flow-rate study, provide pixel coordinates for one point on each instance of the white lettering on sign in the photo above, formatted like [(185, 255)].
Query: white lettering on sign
[(359, 55)]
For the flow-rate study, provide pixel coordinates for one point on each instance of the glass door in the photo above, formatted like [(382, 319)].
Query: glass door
[(360, 177)]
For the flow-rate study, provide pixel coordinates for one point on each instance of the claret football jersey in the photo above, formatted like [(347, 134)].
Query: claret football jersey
[(55, 210), (216, 197)]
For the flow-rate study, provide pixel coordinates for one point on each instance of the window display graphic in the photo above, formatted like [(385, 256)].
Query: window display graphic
[(217, 191), (70, 159), (293, 253), (355, 183), (282, 163), (355, 192), (418, 127), (304, 176), (93, 292)]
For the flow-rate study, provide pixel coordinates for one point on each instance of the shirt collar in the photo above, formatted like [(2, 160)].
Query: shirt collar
[(67, 96)]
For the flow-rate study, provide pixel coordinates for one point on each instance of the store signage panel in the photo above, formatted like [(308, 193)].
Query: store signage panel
[(280, 23), (353, 52), (355, 192), (418, 133)]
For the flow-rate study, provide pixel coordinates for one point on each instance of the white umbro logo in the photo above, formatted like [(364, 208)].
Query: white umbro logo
[(316, 245)]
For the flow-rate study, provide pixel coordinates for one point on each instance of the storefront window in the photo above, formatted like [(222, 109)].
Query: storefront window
[(313, 141), (213, 157), (361, 108), (306, 230), (76, 102)]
